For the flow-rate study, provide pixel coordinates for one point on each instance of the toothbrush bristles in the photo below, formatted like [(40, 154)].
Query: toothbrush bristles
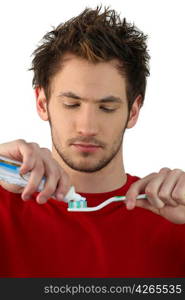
[(72, 204)]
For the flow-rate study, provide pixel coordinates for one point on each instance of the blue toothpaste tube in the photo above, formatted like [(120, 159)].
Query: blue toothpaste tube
[(10, 173)]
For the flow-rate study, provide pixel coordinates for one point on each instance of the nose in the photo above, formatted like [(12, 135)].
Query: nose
[(87, 122)]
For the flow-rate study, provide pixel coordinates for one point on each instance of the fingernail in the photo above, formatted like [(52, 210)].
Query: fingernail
[(25, 197), (42, 199), (129, 205), (22, 171)]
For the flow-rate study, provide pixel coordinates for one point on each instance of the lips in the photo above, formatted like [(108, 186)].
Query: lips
[(86, 147)]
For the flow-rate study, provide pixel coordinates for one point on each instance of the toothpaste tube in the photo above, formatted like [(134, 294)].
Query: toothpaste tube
[(10, 173)]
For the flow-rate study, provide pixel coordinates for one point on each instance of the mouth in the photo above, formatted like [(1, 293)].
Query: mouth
[(86, 147)]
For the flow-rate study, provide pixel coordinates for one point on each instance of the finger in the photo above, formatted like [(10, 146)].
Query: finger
[(29, 153), (53, 176), (63, 183), (59, 193), (153, 187), (19, 150), (35, 178), (48, 192), (137, 188), (27, 164), (63, 186), (12, 149), (178, 193), (167, 187)]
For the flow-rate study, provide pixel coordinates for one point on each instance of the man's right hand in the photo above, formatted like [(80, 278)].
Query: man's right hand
[(39, 162)]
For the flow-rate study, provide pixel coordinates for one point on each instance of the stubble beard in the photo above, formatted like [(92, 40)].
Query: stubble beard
[(83, 167)]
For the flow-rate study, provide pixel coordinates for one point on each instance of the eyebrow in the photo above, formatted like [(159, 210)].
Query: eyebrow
[(107, 99)]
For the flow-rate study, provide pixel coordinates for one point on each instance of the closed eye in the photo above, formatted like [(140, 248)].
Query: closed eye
[(75, 105), (71, 105), (106, 109)]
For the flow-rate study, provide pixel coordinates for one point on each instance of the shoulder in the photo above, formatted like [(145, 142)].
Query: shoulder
[(132, 178)]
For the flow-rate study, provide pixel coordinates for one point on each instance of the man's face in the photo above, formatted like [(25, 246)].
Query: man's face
[(88, 113)]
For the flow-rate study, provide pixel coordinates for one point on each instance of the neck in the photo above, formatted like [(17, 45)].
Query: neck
[(110, 178)]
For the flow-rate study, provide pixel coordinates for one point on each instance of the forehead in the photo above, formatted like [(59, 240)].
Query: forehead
[(89, 79)]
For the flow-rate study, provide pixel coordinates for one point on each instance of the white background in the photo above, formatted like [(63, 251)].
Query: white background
[(158, 138)]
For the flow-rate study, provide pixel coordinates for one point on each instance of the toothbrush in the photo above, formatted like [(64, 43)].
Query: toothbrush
[(81, 205)]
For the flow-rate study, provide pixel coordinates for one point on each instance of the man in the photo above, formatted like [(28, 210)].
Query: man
[(90, 79)]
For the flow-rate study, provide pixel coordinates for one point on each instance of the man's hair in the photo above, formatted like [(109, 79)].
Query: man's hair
[(97, 37)]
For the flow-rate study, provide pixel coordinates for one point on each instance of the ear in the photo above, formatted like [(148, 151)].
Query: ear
[(41, 103), (134, 112)]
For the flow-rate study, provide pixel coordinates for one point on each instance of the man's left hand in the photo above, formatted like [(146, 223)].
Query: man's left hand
[(165, 192)]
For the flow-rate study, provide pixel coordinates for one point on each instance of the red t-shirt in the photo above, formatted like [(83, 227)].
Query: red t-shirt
[(48, 241)]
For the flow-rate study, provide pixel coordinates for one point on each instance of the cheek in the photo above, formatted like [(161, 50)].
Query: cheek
[(114, 132), (62, 127), (57, 116), (118, 124)]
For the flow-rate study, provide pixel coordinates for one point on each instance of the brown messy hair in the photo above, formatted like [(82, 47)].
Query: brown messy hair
[(97, 37)]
